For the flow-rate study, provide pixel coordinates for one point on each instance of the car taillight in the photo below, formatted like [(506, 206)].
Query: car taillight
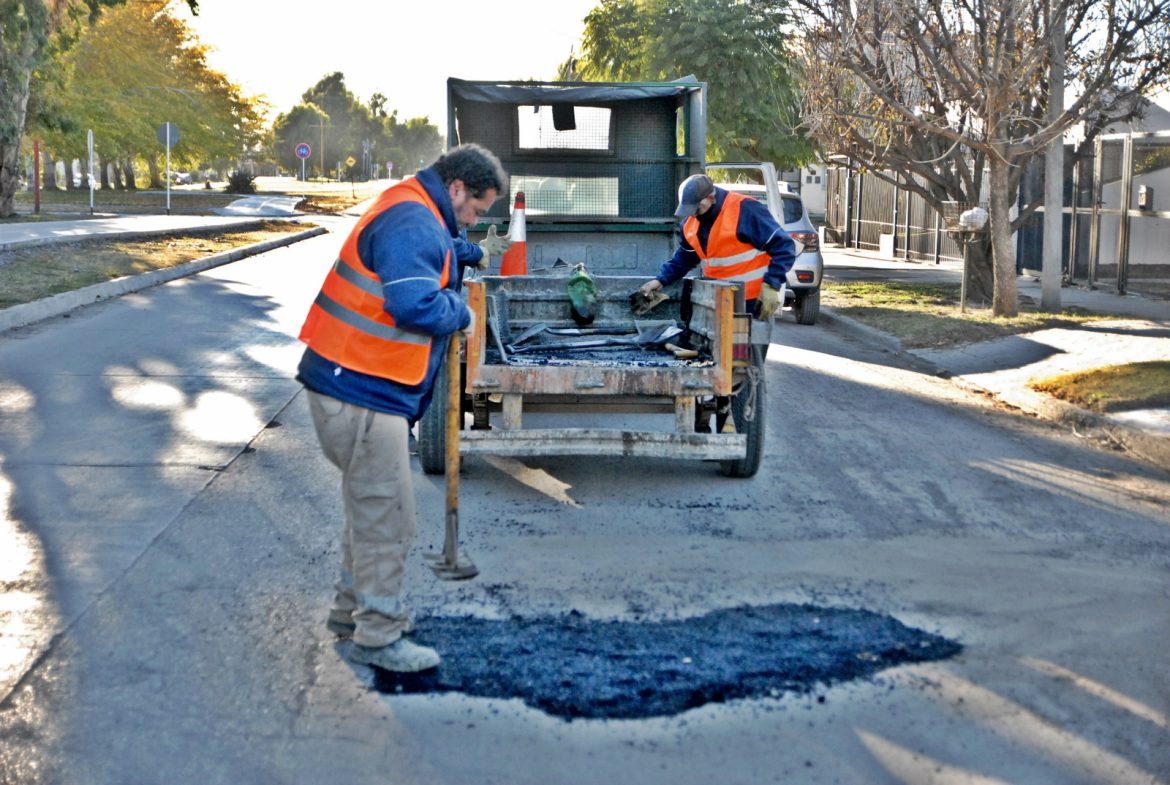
[(804, 276), (809, 240)]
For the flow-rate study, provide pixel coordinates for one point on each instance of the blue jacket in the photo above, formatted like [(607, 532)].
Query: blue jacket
[(757, 227), (405, 247)]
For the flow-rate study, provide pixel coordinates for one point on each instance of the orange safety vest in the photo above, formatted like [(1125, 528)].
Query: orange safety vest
[(348, 324), (726, 257)]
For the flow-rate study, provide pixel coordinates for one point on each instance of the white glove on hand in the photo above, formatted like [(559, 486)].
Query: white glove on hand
[(470, 328), (768, 302), (493, 245), (650, 287)]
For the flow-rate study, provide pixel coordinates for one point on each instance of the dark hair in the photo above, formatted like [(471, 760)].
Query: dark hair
[(476, 166)]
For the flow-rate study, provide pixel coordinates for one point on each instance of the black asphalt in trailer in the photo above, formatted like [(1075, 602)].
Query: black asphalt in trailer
[(571, 666)]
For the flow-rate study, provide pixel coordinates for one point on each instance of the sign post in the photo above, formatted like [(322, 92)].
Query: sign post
[(303, 151), (89, 148), (168, 134)]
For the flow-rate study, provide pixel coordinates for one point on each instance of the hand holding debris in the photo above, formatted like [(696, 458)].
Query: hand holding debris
[(648, 296)]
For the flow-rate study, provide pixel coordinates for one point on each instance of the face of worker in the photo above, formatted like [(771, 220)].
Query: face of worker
[(469, 209), (705, 204)]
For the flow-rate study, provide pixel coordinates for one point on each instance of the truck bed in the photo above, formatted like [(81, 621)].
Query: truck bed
[(622, 379)]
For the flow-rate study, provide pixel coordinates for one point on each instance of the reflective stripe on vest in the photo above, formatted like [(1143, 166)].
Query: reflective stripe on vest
[(348, 324), (726, 257)]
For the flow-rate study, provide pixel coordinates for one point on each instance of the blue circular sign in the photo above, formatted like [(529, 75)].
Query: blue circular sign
[(303, 150)]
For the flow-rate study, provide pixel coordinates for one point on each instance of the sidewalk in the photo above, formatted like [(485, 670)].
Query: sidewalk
[(1003, 367), (30, 233)]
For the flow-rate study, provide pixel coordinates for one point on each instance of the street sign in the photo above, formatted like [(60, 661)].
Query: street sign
[(303, 151), (168, 138), (350, 161)]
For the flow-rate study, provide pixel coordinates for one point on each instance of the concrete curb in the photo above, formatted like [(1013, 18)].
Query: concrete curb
[(862, 332), (60, 304), (1150, 447)]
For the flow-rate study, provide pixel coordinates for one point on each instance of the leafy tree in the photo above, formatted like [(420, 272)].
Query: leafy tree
[(420, 142), (738, 48), (302, 123), (136, 68), (946, 92), (28, 28), (348, 123)]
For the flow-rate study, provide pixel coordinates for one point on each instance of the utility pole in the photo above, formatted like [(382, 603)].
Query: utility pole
[(322, 126), (1050, 267)]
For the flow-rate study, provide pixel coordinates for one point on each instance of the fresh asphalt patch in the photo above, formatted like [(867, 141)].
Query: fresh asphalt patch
[(572, 667)]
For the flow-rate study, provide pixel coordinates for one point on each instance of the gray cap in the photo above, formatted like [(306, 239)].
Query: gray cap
[(691, 191)]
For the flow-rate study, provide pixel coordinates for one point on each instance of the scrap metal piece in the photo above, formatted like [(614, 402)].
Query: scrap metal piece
[(643, 303)]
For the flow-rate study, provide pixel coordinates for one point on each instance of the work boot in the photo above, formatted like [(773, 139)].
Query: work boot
[(340, 624), (401, 656)]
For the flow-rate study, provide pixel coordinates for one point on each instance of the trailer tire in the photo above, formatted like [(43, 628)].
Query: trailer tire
[(747, 410), (432, 429)]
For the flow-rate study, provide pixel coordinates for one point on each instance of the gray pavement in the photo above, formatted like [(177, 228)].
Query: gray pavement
[(1004, 367), (170, 538)]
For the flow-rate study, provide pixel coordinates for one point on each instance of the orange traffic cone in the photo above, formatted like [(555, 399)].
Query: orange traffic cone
[(515, 261)]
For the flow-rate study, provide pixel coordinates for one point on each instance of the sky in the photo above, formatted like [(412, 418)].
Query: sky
[(405, 50)]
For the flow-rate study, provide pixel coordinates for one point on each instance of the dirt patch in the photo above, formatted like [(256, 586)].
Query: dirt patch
[(573, 667), (29, 274)]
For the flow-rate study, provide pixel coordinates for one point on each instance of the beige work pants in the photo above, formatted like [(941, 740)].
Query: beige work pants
[(371, 450)]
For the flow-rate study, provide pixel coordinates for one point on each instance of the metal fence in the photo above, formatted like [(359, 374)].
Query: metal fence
[(863, 211), (1115, 237), (1116, 217)]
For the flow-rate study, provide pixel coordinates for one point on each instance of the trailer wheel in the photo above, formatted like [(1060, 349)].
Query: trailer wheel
[(432, 429), (747, 410)]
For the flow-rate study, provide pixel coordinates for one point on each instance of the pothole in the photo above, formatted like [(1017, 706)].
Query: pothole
[(571, 666)]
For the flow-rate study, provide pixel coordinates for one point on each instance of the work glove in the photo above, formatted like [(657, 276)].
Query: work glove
[(470, 328), (493, 245), (768, 302), (650, 287)]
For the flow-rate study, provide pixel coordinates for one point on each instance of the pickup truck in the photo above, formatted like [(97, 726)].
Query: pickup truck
[(599, 165)]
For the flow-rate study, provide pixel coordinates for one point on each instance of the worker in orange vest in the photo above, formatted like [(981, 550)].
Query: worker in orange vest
[(377, 335), (735, 238)]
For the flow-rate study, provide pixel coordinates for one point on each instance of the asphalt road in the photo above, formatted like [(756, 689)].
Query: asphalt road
[(171, 535)]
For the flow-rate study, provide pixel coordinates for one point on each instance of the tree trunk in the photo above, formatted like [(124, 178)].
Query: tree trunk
[(48, 171), (116, 174), (1005, 301), (128, 171), (104, 170), (9, 177), (156, 180), (980, 275)]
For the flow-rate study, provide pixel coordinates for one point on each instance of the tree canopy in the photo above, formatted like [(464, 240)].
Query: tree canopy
[(943, 91), (27, 27), (738, 48), (137, 67), (330, 112)]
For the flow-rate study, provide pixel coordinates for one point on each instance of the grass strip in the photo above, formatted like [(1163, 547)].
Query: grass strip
[(1116, 388), (29, 274)]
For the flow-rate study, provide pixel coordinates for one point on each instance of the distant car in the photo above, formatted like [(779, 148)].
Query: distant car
[(181, 178), (804, 279)]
